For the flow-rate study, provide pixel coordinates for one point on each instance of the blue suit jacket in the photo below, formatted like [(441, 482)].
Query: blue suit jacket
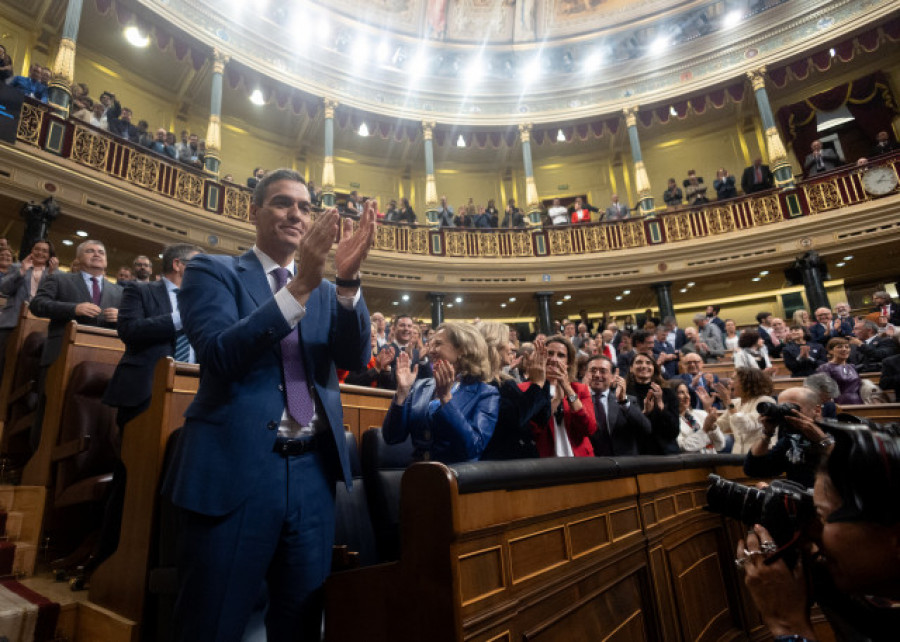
[(818, 334), (235, 327), (456, 431)]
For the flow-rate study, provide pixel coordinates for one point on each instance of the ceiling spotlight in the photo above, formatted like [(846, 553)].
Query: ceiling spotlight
[(672, 111), (849, 257), (502, 305), (756, 278), (257, 97), (841, 264), (383, 51), (832, 52), (683, 290), (533, 69), (360, 50), (690, 284), (418, 63), (560, 136), (160, 255), (405, 297), (68, 242), (82, 234), (567, 297), (135, 38), (592, 62), (363, 130), (449, 305), (458, 299), (732, 19), (619, 297), (512, 299), (474, 70), (764, 273), (659, 45), (559, 303), (626, 292), (460, 142), (395, 303)]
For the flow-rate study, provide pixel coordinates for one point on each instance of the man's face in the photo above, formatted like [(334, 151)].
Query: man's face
[(35, 72), (661, 334), (142, 268), (880, 300), (778, 325), (126, 115), (378, 320), (645, 346), (98, 109), (710, 311), (283, 218), (882, 137), (693, 364), (615, 198), (600, 375), (767, 321), (690, 334), (193, 140), (92, 257), (816, 146), (842, 310), (861, 331), (823, 315), (403, 330), (570, 330), (170, 138), (124, 274), (161, 135), (45, 76)]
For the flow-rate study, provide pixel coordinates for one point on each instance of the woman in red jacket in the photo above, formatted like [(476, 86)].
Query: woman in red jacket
[(572, 411)]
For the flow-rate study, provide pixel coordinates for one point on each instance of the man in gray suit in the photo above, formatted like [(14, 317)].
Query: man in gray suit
[(621, 423), (617, 211), (85, 296), (820, 160)]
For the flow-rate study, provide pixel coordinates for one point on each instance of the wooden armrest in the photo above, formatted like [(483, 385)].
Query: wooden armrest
[(71, 448), (20, 392)]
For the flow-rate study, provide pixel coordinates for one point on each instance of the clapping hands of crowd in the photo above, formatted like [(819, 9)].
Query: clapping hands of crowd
[(654, 399), (406, 376), (537, 363), (444, 376)]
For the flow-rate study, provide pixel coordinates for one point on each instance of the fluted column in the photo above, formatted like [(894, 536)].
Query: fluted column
[(437, 308), (328, 165), (641, 181), (431, 201), (532, 200), (545, 319), (214, 130), (778, 160), (59, 94)]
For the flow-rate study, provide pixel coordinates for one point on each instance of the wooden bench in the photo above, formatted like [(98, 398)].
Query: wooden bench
[(877, 412), (780, 384), (364, 408), (80, 343), (576, 549), (722, 369), (16, 384)]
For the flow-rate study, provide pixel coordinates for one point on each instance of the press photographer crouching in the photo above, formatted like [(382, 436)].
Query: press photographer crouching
[(838, 547), (800, 443)]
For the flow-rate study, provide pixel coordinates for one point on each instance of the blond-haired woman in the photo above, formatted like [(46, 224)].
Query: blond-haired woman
[(450, 416)]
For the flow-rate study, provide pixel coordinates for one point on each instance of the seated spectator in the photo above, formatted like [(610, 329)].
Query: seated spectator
[(558, 214), (883, 145), (673, 195), (741, 419), (731, 335), (616, 211), (513, 438), (801, 355), (724, 184), (406, 214), (665, 353), (258, 174), (146, 137), (709, 343), (571, 422), (447, 422), (827, 389), (6, 66), (513, 216), (757, 177), (158, 144), (46, 76), (31, 85), (869, 348), (820, 160), (752, 352), (843, 373), (124, 275), (698, 432), (697, 380), (580, 211), (827, 326), (694, 189), (660, 405)]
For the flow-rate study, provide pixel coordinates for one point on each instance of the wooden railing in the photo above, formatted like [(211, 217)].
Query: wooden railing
[(103, 152)]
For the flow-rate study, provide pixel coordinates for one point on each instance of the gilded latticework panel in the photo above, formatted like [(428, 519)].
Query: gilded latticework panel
[(823, 196), (89, 148), (386, 238), (30, 124), (143, 170), (520, 244), (719, 220), (488, 245), (595, 239), (456, 243), (678, 226), (418, 240), (633, 234), (189, 189), (560, 241), (237, 204), (765, 210)]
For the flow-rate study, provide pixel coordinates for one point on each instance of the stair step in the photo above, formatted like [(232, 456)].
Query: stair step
[(24, 559), (14, 520)]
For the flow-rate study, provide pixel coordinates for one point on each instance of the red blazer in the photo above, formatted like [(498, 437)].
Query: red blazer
[(579, 425), (581, 216)]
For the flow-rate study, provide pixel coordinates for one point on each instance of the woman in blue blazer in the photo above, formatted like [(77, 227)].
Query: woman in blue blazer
[(452, 415)]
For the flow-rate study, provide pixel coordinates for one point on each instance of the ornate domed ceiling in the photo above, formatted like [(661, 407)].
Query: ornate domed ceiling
[(495, 61)]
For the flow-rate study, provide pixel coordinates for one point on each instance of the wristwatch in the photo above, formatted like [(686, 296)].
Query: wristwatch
[(572, 398)]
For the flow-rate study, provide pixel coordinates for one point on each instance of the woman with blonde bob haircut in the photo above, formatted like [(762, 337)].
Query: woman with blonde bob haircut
[(450, 416)]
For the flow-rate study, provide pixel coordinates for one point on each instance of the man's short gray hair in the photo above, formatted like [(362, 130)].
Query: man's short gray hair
[(81, 246), (822, 383)]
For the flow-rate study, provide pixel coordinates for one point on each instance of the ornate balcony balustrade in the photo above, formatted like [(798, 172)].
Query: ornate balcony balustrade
[(103, 152)]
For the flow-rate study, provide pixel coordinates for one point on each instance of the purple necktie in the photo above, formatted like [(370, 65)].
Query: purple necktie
[(95, 290), (299, 401)]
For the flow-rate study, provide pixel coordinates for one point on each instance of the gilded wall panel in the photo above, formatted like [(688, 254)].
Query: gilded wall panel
[(30, 124), (678, 226), (386, 238), (560, 241), (823, 196), (90, 149), (456, 243), (633, 234), (765, 210), (237, 204), (488, 245), (189, 189), (520, 243), (143, 170), (719, 220), (595, 239), (418, 240)]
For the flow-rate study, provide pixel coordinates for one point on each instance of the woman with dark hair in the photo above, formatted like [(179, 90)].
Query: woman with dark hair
[(844, 374), (406, 214), (513, 438), (698, 432), (645, 382), (6, 261), (6, 66), (751, 352), (741, 420), (20, 284), (801, 355), (452, 415), (492, 213)]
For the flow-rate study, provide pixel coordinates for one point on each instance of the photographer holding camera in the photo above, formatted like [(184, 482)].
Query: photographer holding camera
[(850, 561), (801, 443)]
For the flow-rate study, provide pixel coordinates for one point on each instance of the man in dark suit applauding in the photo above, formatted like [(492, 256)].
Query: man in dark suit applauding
[(621, 423), (756, 178), (819, 160), (262, 445)]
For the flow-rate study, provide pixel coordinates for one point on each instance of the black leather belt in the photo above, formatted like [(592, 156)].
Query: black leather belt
[(293, 447)]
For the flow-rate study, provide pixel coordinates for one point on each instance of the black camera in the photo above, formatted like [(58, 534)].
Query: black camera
[(784, 508), (778, 412)]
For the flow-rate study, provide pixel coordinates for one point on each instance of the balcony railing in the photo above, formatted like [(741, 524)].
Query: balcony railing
[(138, 166)]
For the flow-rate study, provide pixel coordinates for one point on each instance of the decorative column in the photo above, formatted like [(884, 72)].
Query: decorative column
[(532, 201), (809, 265), (431, 200), (778, 160), (641, 181), (437, 308), (664, 298), (214, 129), (59, 94), (328, 165), (544, 317)]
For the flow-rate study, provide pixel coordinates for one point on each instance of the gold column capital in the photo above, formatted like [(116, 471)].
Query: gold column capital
[(757, 78), (330, 104), (220, 59), (428, 129), (630, 116), (525, 132)]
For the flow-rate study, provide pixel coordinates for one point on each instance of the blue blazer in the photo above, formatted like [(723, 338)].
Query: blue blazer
[(235, 327), (819, 335), (456, 431)]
